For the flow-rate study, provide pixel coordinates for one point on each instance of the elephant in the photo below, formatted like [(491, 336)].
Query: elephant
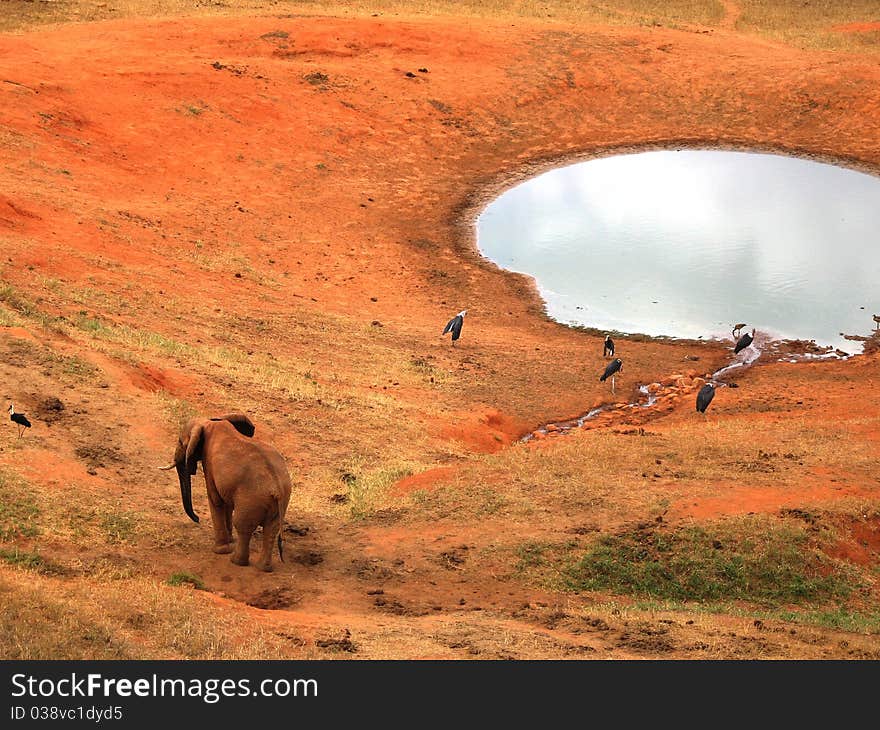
[(247, 480)]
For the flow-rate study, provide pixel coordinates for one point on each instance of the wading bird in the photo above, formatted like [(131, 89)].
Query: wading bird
[(454, 325), (608, 350), (18, 418), (743, 342), (614, 367), (705, 396), (736, 329)]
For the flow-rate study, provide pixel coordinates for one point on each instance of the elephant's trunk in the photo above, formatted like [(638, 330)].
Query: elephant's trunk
[(186, 489)]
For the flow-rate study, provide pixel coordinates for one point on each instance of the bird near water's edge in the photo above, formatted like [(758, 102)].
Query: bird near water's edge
[(614, 367), (744, 342), (608, 349)]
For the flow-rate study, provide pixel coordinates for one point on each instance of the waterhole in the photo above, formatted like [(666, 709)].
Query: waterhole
[(688, 243)]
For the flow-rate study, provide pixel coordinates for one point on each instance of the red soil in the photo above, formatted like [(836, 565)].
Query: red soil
[(316, 152)]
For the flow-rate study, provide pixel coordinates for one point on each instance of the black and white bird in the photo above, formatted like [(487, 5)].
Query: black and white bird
[(705, 396), (743, 342), (454, 325), (614, 367), (18, 418), (877, 321), (608, 350), (736, 329)]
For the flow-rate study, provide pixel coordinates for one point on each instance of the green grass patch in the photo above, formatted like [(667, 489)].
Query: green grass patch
[(750, 559), (10, 296), (182, 579), (841, 618), (129, 336), (118, 527), (19, 510), (368, 489), (531, 555), (17, 305), (30, 561)]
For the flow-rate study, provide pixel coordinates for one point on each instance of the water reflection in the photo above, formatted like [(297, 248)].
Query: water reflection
[(687, 243)]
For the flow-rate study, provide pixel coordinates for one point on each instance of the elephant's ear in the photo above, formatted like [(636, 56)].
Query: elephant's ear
[(194, 447), (242, 423)]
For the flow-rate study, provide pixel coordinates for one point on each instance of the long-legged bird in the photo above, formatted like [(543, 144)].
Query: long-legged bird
[(608, 350), (614, 367), (18, 418), (454, 325), (705, 396), (744, 341)]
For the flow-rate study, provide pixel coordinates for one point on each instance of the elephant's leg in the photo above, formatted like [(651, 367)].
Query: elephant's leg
[(244, 528), (271, 530), (222, 533)]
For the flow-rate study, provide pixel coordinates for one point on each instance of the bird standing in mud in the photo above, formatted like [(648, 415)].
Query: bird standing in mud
[(705, 396), (18, 418), (744, 341), (614, 367), (454, 325), (608, 349)]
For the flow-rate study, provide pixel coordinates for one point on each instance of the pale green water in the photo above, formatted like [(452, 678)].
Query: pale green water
[(688, 243)]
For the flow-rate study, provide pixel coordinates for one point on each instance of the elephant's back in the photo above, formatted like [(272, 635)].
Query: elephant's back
[(255, 463)]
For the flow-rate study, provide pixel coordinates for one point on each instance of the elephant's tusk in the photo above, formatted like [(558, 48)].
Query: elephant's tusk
[(166, 468)]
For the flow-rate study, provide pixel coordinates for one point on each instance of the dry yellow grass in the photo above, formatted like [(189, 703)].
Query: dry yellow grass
[(811, 24), (96, 619), (805, 24), (609, 477)]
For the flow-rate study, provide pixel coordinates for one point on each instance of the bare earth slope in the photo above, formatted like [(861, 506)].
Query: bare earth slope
[(275, 214)]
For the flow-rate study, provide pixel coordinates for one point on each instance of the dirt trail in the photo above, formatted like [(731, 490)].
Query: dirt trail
[(732, 13)]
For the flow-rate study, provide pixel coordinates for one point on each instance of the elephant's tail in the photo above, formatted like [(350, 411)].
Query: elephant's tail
[(280, 514)]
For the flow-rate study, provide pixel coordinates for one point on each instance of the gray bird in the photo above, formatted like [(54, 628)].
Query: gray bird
[(744, 341), (705, 396), (614, 367), (454, 325)]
